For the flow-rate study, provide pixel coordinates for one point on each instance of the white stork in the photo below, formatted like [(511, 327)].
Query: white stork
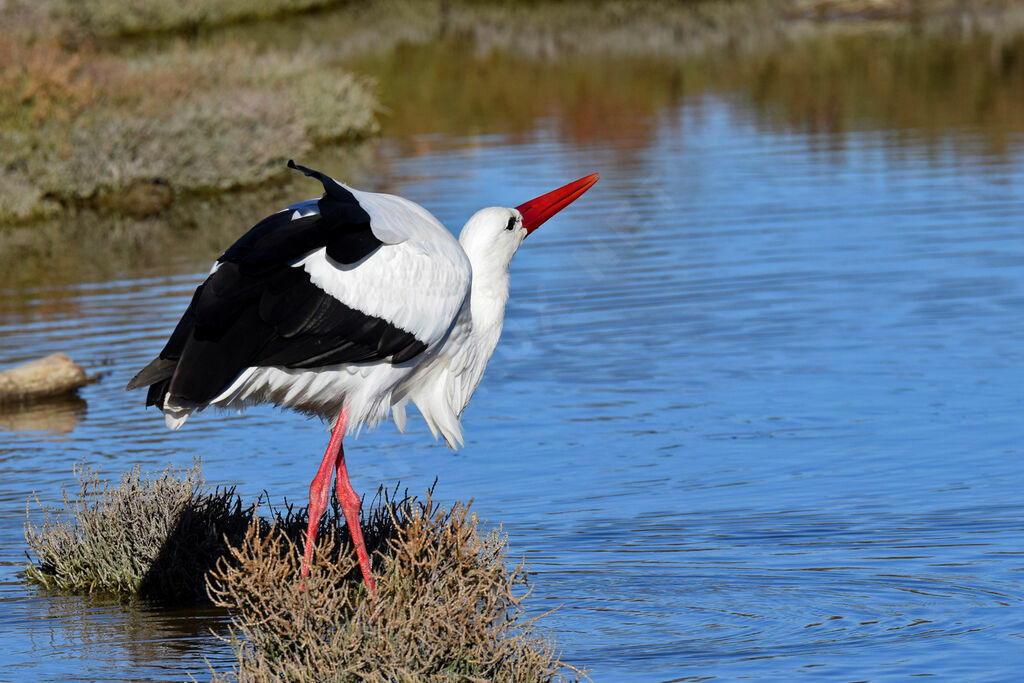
[(348, 307)]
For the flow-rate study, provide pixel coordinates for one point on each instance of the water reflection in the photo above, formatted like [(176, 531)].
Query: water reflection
[(917, 88), (110, 639), (428, 89), (59, 415), (829, 84), (924, 85)]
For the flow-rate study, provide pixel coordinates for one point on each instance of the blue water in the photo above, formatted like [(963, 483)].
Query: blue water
[(756, 411)]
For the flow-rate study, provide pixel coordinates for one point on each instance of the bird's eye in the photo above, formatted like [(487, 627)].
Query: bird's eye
[(511, 223)]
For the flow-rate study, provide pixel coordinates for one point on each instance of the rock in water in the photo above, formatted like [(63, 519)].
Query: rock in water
[(53, 375)]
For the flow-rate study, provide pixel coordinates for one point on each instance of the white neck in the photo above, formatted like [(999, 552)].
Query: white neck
[(444, 386), (488, 296)]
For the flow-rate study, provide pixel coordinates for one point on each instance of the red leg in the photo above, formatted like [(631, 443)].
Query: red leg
[(320, 490), (349, 500)]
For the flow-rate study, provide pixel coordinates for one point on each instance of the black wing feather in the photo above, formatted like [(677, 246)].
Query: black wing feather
[(256, 309)]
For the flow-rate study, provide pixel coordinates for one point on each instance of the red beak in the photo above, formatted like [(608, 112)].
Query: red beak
[(538, 210)]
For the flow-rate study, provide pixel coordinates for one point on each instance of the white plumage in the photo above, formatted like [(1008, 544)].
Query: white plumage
[(349, 307), (434, 276)]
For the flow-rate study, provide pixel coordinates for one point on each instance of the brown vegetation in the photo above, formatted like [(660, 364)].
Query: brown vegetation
[(695, 28), (87, 126), (447, 606)]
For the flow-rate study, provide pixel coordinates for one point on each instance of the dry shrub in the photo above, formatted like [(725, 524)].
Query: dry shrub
[(42, 80), (152, 536), (134, 17), (446, 606), (82, 127)]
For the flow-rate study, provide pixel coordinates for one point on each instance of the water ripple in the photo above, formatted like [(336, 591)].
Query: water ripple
[(755, 411)]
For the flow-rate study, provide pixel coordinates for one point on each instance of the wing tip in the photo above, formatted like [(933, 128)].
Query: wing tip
[(155, 371)]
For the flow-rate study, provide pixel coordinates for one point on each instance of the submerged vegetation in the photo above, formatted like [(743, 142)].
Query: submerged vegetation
[(447, 605)]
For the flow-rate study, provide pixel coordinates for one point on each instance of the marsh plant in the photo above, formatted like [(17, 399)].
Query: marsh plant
[(122, 18), (86, 127), (152, 536), (447, 606)]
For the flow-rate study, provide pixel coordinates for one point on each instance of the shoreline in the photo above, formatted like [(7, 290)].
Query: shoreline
[(129, 125)]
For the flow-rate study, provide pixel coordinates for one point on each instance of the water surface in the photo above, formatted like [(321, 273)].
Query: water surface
[(755, 412)]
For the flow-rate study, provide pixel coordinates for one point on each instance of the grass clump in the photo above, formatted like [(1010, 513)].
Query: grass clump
[(447, 606), (153, 536)]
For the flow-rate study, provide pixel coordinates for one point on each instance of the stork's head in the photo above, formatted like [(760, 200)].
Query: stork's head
[(494, 234)]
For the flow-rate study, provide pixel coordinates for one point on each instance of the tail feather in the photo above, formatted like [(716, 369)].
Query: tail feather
[(175, 416), (398, 415)]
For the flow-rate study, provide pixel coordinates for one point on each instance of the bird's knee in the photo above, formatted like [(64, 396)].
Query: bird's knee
[(349, 499)]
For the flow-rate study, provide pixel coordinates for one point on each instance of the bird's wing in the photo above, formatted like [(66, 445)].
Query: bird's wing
[(352, 277)]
